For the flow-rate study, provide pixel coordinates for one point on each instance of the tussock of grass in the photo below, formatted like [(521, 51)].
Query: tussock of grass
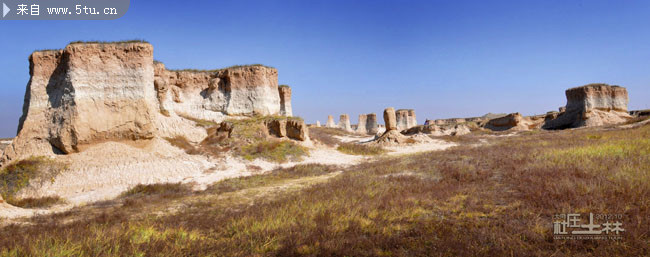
[(298, 171), (183, 143), (164, 189), (221, 69), (360, 149), (200, 122), (274, 150), (41, 202), (18, 175), (326, 135), (111, 42)]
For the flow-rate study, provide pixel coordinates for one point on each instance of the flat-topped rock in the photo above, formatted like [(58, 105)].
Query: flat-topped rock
[(592, 105), (88, 93), (344, 122), (330, 122)]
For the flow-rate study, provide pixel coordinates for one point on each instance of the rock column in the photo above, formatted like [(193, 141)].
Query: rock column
[(390, 119), (285, 101), (361, 127), (330, 122), (344, 122), (371, 123)]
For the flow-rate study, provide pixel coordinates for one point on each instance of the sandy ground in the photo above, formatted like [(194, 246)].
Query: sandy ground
[(104, 171)]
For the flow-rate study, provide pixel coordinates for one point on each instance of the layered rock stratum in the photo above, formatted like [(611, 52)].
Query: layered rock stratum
[(592, 105), (344, 122), (89, 93)]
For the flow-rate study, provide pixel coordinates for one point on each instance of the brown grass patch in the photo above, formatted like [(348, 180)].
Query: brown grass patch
[(40, 202), (492, 200), (360, 149)]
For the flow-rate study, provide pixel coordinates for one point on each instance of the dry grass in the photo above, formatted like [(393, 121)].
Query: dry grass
[(110, 42), (158, 189), (274, 150), (249, 139), (41, 202), (221, 69), (492, 200), (326, 135), (18, 175), (360, 149)]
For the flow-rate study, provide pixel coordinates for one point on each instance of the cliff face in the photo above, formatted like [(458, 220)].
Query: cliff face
[(92, 92), (592, 105), (84, 94), (210, 94)]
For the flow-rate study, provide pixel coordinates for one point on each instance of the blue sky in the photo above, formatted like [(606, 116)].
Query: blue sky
[(442, 58)]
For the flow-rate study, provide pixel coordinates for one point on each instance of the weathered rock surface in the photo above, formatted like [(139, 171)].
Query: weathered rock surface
[(344, 122), (371, 123), (391, 135), (84, 94), (390, 119), (640, 113), (439, 130), (515, 121), (318, 124), (208, 95), (592, 105), (289, 128), (285, 101), (297, 129), (330, 122), (405, 119), (89, 93), (277, 128), (361, 126)]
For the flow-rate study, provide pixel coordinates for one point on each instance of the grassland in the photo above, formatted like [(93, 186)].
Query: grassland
[(249, 139), (497, 199)]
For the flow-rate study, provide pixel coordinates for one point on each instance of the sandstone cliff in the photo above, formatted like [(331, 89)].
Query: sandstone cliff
[(592, 105), (93, 92)]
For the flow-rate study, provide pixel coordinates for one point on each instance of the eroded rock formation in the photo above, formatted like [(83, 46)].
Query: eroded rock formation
[(439, 130), (391, 135), (240, 90), (330, 122), (285, 101), (344, 122), (515, 121), (405, 119), (592, 105), (371, 123), (88, 93), (361, 126)]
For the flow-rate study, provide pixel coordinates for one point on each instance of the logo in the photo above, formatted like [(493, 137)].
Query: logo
[(600, 226)]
